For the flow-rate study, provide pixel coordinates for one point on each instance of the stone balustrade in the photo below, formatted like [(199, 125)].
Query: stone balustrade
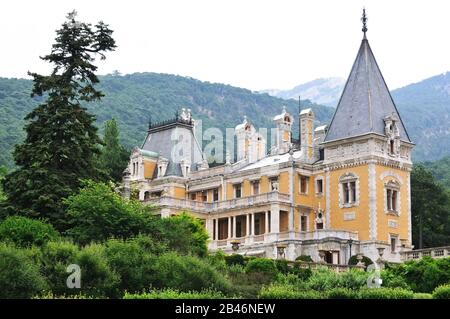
[(205, 207), (436, 252)]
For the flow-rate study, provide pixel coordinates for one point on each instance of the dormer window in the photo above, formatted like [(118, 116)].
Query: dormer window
[(162, 166)]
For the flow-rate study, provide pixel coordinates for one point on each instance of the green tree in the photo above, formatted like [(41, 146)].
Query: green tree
[(98, 213), (430, 210), (114, 157), (61, 141), (3, 172)]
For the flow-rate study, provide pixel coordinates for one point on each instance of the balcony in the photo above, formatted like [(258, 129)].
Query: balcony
[(205, 207)]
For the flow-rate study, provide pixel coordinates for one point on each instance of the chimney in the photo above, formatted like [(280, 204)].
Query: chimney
[(307, 134)]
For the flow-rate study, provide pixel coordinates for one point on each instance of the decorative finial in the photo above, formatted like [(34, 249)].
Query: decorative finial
[(364, 21)]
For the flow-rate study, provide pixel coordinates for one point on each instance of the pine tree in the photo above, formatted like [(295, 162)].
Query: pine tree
[(61, 141), (114, 157)]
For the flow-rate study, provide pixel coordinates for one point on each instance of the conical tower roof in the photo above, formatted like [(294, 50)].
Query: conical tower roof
[(365, 101)]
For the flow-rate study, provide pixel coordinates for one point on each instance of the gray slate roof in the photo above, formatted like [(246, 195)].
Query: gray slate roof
[(165, 142), (365, 101)]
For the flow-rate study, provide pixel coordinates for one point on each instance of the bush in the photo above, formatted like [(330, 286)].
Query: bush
[(282, 266), (425, 274), (25, 232), (132, 263), (262, 265), (98, 213), (235, 259), (19, 276), (323, 279), (353, 279), (176, 294), (385, 293), (97, 278), (442, 292), (342, 293), (187, 273), (278, 291), (366, 261), (185, 234), (420, 295), (306, 258), (393, 280)]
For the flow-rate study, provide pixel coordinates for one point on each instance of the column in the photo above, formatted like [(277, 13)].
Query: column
[(217, 229), (275, 219), (291, 219), (266, 222), (229, 227), (234, 226), (247, 225), (253, 224)]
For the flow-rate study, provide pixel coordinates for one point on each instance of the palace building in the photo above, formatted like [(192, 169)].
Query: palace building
[(338, 190)]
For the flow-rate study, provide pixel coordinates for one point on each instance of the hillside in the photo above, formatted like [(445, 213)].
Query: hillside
[(322, 91), (132, 99), (425, 110), (440, 170)]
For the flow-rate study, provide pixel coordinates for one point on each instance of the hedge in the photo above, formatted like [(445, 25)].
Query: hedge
[(176, 294), (385, 293), (442, 292)]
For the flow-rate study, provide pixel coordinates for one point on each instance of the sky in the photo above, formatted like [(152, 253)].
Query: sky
[(255, 44)]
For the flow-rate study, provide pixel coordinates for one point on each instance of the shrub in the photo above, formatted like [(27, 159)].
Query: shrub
[(306, 258), (342, 293), (236, 269), (323, 279), (217, 260), (262, 265), (235, 259), (187, 273), (25, 232), (442, 292), (176, 294), (19, 276), (385, 293), (55, 258), (132, 263), (354, 260), (278, 291), (282, 266), (97, 213), (353, 279), (420, 295), (302, 273), (97, 277), (425, 274), (185, 234), (393, 280)]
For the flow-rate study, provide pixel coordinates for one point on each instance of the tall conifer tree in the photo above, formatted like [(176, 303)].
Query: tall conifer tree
[(114, 157), (61, 141)]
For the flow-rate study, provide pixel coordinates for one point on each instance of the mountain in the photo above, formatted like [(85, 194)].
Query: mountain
[(133, 99), (440, 170), (425, 110), (322, 91)]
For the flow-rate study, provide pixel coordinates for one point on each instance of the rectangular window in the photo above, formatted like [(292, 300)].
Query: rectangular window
[(353, 191), (304, 184), (255, 187), (237, 191), (393, 244), (346, 193), (391, 199), (303, 223), (204, 196), (193, 196), (215, 194), (319, 186)]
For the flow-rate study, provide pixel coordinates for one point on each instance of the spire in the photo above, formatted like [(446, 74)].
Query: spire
[(364, 21), (365, 101)]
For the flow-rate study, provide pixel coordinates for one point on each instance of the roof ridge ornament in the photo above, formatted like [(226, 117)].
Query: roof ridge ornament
[(364, 21)]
